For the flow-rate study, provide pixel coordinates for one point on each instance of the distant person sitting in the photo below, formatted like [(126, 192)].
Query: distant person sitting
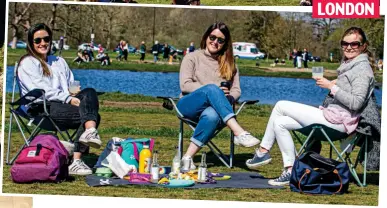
[(80, 57), (276, 61), (283, 62), (306, 3)]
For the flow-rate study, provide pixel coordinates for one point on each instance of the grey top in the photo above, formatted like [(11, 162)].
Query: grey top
[(56, 86), (354, 79)]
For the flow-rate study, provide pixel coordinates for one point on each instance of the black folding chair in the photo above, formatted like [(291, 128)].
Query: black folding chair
[(40, 120), (170, 104)]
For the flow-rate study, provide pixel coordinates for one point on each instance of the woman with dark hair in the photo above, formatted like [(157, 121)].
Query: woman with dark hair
[(38, 70), (350, 91), (205, 100)]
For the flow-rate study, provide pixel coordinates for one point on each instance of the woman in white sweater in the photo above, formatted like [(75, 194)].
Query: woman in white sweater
[(38, 70)]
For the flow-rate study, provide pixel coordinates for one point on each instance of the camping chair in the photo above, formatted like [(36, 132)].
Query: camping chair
[(170, 104), (319, 132), (41, 120)]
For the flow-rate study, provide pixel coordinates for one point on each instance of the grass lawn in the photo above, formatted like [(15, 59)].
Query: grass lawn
[(119, 118)]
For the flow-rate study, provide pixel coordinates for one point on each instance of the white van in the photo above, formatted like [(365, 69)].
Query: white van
[(243, 50)]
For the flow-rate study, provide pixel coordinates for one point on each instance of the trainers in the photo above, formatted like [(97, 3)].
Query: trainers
[(258, 161), (187, 164), (91, 138), (282, 180), (69, 147), (246, 140), (78, 167)]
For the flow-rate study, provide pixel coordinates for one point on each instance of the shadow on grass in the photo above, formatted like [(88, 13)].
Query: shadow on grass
[(371, 178)]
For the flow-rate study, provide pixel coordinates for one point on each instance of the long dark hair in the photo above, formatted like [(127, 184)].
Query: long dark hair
[(364, 41), (226, 58), (30, 46)]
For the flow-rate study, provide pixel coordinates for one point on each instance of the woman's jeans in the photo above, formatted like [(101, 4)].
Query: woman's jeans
[(71, 117), (209, 107)]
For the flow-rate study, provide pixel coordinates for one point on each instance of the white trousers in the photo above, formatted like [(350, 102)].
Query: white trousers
[(287, 116)]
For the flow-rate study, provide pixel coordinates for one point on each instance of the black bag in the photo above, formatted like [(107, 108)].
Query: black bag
[(315, 174)]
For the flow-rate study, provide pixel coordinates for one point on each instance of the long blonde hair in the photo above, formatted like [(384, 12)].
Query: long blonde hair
[(226, 62)]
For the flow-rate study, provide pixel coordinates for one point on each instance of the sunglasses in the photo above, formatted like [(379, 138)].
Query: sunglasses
[(46, 39), (354, 45), (220, 40)]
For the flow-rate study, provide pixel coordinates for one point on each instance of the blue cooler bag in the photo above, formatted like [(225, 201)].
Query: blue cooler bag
[(315, 174)]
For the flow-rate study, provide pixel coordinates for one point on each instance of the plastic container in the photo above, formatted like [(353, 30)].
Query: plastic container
[(145, 160)]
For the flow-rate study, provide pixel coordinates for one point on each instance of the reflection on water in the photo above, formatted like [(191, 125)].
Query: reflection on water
[(268, 90)]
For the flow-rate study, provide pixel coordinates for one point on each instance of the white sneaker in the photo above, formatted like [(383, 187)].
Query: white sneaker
[(91, 138), (187, 163), (69, 147), (246, 140), (78, 167)]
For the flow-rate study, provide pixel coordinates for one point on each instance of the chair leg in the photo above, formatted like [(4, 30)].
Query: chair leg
[(218, 153), (181, 137), (27, 141), (9, 138), (306, 142), (232, 148)]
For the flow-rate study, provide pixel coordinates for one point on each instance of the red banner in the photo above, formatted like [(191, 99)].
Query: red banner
[(346, 9)]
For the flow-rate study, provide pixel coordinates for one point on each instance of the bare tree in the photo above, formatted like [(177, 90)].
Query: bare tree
[(20, 17)]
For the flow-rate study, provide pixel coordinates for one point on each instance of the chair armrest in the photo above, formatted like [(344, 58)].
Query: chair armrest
[(248, 102), (30, 97), (169, 102)]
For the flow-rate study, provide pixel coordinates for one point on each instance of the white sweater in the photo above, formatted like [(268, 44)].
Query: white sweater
[(56, 86)]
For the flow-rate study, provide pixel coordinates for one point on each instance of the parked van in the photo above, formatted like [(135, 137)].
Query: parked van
[(244, 50)]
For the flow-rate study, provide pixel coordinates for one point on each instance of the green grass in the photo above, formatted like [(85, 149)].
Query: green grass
[(162, 125)]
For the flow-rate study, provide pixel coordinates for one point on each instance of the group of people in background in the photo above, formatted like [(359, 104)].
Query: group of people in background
[(299, 58)]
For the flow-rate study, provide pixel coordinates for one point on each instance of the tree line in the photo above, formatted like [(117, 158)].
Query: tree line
[(275, 33)]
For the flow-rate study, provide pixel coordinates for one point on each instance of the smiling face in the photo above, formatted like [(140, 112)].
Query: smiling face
[(355, 46), (212, 42), (42, 43)]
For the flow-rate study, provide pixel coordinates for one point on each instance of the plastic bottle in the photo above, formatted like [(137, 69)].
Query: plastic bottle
[(155, 169), (176, 162), (145, 160)]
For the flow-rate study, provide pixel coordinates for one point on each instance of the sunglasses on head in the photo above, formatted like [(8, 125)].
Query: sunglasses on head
[(46, 39), (354, 45), (220, 40)]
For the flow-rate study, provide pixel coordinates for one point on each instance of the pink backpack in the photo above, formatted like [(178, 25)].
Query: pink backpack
[(45, 159)]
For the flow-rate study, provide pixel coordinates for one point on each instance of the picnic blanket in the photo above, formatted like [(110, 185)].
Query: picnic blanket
[(247, 180)]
